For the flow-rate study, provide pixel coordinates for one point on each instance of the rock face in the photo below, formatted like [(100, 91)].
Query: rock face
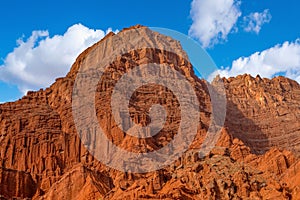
[(256, 157), (264, 113)]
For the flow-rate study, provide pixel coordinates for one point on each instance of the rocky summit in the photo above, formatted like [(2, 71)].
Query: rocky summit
[(44, 156)]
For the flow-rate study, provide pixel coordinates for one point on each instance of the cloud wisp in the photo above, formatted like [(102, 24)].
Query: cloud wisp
[(254, 21)]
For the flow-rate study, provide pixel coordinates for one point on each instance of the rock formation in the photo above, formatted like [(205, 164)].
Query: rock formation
[(256, 156)]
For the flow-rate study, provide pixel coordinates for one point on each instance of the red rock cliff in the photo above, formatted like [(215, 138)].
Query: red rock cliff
[(256, 157)]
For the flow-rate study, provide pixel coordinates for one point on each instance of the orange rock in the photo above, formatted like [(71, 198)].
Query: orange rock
[(42, 156)]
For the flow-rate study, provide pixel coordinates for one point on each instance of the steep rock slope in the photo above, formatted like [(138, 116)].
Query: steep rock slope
[(42, 157), (264, 113)]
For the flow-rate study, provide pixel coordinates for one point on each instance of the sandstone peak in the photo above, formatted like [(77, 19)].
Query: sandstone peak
[(256, 157)]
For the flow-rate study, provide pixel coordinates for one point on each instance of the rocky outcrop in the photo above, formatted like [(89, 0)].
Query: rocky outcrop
[(80, 183), (220, 175), (264, 113), (256, 157), (16, 184)]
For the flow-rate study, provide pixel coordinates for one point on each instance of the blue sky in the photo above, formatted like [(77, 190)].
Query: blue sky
[(233, 50)]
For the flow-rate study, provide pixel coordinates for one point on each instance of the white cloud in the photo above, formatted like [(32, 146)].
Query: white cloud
[(213, 20), (281, 59), (36, 62), (254, 21)]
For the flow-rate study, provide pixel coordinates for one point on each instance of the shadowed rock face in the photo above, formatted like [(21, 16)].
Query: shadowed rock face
[(264, 113), (256, 157)]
